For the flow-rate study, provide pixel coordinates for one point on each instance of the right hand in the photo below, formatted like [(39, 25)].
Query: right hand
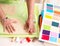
[(29, 26)]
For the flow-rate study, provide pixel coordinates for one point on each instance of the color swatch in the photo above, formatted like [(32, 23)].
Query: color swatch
[(50, 29)]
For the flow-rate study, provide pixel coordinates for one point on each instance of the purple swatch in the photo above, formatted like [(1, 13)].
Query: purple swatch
[(46, 32), (51, 8)]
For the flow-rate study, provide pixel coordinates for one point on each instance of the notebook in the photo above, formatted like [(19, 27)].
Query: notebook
[(50, 29)]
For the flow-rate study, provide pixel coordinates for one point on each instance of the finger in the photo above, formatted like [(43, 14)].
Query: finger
[(33, 29), (26, 26), (7, 28), (12, 28), (29, 31)]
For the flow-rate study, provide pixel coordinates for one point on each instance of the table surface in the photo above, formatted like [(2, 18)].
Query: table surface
[(7, 42)]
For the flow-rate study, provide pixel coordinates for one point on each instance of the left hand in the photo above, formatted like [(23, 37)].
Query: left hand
[(7, 24)]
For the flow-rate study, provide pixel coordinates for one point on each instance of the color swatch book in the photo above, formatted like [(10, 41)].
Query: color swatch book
[(50, 29), (17, 13)]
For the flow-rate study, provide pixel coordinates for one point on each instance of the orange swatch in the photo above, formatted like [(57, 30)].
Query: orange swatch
[(40, 21), (57, 12)]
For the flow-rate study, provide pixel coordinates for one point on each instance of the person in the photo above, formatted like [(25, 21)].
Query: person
[(29, 23)]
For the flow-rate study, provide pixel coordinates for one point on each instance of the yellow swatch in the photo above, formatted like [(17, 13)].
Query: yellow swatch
[(56, 9), (59, 40), (48, 16)]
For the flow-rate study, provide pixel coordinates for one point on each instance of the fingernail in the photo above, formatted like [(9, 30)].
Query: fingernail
[(30, 32)]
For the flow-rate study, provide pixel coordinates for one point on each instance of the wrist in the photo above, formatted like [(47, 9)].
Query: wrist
[(4, 19), (30, 17)]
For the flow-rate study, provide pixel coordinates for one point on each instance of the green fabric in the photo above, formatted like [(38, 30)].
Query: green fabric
[(7, 1), (21, 14)]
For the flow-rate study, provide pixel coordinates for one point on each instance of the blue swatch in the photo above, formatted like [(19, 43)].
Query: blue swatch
[(59, 35), (55, 24), (42, 13), (53, 39), (50, 5), (49, 10)]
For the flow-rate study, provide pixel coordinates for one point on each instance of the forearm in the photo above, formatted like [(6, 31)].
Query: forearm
[(2, 14), (30, 6)]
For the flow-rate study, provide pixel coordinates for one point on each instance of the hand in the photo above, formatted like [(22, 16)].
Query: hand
[(8, 26), (29, 26)]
